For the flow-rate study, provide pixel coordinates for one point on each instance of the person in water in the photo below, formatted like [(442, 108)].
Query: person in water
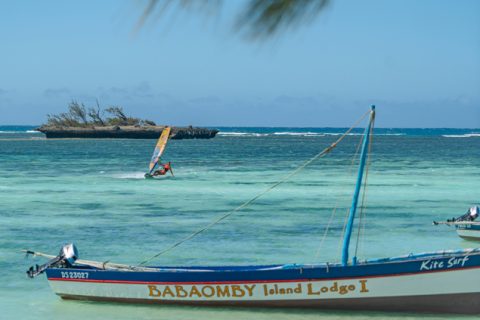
[(165, 168)]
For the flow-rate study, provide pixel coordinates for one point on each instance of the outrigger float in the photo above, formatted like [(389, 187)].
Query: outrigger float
[(440, 282)]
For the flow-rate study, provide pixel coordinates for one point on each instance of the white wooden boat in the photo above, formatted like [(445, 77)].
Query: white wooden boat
[(444, 281)]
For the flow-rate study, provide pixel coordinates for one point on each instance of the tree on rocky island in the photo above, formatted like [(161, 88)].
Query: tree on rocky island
[(78, 112), (120, 119), (79, 116), (96, 115)]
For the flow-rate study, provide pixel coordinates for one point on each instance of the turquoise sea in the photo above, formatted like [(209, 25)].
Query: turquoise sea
[(92, 193)]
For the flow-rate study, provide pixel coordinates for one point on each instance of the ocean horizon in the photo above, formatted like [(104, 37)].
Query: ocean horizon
[(298, 131)]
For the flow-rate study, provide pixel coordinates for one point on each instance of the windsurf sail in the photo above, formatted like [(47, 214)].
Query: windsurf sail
[(159, 148)]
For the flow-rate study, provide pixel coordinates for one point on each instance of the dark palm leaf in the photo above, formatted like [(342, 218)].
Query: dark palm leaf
[(260, 19), (265, 18), (160, 7)]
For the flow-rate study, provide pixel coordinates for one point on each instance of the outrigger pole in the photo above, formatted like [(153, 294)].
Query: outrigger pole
[(353, 208)]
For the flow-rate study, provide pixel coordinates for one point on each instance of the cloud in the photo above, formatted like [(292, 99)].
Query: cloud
[(54, 93), (141, 91), (294, 101), (454, 112), (5, 99), (206, 100)]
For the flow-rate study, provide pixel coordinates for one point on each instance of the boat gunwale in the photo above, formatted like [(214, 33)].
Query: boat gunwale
[(257, 268)]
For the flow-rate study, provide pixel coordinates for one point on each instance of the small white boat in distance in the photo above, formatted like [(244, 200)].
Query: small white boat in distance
[(467, 226)]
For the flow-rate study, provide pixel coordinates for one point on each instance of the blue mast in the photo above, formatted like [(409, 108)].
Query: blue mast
[(353, 208)]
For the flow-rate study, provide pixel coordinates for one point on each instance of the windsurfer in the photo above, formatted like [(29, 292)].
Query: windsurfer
[(165, 168), (157, 153)]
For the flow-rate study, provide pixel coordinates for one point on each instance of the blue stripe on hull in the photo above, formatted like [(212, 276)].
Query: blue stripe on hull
[(475, 227), (277, 272)]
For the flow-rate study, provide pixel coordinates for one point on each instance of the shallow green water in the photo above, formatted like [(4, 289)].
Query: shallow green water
[(92, 193)]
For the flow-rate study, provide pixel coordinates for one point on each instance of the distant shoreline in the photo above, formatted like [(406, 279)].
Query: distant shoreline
[(32, 127), (237, 131), (125, 132)]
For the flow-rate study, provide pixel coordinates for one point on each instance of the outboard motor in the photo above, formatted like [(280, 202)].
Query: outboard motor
[(470, 215), (66, 258)]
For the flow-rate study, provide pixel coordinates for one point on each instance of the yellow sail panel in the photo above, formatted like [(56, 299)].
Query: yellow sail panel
[(159, 148)]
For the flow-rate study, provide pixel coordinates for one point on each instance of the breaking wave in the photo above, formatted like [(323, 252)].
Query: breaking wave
[(130, 175), (242, 134), (298, 133), (467, 135), (28, 131)]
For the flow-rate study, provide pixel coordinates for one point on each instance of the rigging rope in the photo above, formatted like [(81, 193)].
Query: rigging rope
[(347, 210), (334, 211), (362, 220), (317, 253), (245, 204)]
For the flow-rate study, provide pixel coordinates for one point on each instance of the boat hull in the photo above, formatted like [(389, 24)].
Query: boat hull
[(428, 284), (448, 303), (469, 231)]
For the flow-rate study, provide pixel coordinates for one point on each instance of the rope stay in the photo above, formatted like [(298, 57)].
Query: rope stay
[(347, 210), (334, 210), (362, 218), (321, 154)]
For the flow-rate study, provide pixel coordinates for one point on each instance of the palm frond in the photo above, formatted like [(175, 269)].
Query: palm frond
[(260, 19), (265, 18)]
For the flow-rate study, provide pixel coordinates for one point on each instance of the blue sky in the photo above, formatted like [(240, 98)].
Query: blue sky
[(418, 61)]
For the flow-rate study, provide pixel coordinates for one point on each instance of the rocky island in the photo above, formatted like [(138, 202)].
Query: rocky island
[(80, 122)]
